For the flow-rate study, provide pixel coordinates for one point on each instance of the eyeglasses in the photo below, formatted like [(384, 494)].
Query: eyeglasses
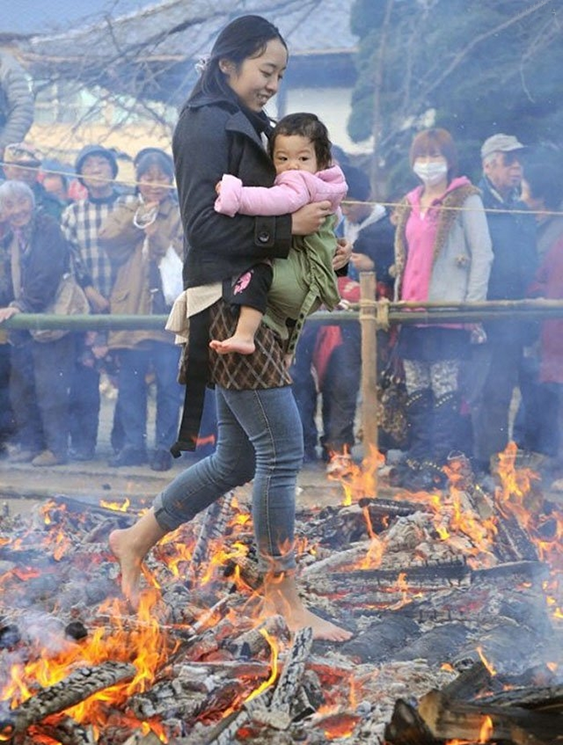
[(510, 159)]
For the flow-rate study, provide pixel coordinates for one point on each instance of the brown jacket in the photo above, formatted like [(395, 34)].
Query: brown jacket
[(124, 242)]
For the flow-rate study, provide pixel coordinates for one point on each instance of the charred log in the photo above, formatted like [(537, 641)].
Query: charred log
[(512, 542), (213, 527), (453, 719), (76, 687), (277, 714), (407, 727), (253, 642)]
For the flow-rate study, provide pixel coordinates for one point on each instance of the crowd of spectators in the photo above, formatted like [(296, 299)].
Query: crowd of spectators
[(501, 239)]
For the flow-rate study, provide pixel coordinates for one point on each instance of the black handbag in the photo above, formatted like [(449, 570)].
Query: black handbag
[(392, 400)]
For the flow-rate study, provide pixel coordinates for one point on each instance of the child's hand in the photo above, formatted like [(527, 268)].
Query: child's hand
[(362, 262), (218, 188), (342, 254)]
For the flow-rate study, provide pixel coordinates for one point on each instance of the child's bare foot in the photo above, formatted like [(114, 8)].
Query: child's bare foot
[(240, 344), (130, 564)]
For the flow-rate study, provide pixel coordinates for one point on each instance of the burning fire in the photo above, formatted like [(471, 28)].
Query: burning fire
[(140, 642)]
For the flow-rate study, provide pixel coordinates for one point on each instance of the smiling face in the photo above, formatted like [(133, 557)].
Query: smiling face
[(257, 79), (154, 185), (18, 211), (294, 153), (97, 175)]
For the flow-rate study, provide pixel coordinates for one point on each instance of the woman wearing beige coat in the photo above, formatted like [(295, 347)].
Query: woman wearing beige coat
[(143, 238)]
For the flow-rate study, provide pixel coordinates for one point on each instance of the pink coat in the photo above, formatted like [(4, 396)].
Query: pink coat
[(291, 191), (549, 284)]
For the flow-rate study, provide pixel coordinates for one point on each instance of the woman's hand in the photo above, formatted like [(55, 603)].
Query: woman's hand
[(342, 254), (362, 262), (7, 313), (151, 229), (309, 218), (97, 301)]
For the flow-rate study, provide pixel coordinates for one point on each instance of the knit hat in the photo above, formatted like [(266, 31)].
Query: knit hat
[(88, 150), (500, 144), (22, 154)]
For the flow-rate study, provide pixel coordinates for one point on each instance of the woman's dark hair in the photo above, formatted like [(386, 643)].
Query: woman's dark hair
[(359, 187), (244, 38), (154, 157), (435, 142), (309, 126), (545, 182)]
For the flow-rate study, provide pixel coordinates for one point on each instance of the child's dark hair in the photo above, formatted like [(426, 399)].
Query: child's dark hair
[(154, 157), (244, 38), (309, 126)]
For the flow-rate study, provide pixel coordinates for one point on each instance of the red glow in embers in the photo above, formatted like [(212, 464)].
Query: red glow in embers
[(339, 725)]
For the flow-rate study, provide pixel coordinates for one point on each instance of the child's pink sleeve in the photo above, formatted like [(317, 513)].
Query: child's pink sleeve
[(289, 193), (228, 201)]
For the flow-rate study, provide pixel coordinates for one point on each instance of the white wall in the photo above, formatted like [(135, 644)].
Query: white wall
[(332, 106)]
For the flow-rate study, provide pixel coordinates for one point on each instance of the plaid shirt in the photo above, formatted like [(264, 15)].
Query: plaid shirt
[(81, 222)]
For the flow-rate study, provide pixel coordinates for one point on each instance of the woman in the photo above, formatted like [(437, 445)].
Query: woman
[(222, 130), (136, 236), (38, 257), (442, 253)]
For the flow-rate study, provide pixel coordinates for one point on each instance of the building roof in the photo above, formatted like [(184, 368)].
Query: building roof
[(174, 27), (30, 17), (150, 52)]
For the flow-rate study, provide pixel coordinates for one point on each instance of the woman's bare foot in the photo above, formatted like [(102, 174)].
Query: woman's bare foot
[(322, 629), (130, 546), (282, 597), (240, 344), (130, 565)]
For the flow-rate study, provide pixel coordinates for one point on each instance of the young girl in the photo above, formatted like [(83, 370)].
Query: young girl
[(292, 288)]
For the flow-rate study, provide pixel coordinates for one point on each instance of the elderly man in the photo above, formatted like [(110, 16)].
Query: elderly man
[(22, 163), (493, 373)]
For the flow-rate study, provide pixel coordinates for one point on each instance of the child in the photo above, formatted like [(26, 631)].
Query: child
[(286, 291)]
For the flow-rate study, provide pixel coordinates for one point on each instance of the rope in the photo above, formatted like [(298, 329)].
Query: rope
[(391, 205)]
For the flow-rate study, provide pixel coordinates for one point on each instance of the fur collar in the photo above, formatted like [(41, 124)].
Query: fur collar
[(448, 214)]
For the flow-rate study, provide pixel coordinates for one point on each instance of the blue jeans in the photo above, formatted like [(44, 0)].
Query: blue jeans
[(134, 365), (260, 437)]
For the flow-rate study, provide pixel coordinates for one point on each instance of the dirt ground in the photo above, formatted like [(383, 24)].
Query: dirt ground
[(23, 486)]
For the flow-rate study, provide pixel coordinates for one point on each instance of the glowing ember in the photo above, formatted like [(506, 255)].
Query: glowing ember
[(123, 507)]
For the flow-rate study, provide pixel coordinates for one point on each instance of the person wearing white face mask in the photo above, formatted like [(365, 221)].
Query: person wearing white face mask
[(442, 253)]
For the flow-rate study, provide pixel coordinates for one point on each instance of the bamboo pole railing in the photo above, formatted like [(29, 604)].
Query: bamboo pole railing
[(403, 313), (372, 314)]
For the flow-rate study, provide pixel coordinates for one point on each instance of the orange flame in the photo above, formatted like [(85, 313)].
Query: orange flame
[(486, 662), (487, 730), (274, 648), (115, 505)]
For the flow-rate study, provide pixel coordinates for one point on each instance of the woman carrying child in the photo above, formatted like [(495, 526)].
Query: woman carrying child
[(259, 431)]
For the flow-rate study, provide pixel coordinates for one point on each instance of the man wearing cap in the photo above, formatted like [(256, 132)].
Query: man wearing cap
[(493, 372), (21, 163), (16, 102), (96, 168)]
